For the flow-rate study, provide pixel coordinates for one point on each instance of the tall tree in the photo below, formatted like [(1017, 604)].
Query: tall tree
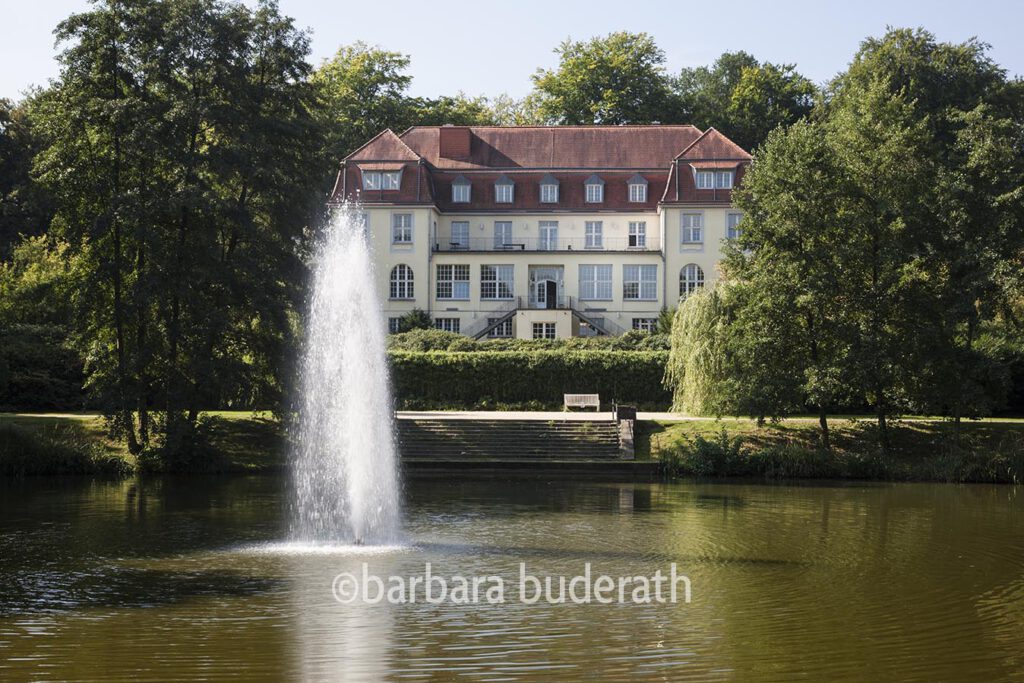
[(25, 207), (184, 151), (744, 98), (616, 79)]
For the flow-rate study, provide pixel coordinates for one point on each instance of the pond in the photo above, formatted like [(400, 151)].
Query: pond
[(189, 579)]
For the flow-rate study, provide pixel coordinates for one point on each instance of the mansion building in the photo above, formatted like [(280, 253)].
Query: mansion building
[(543, 232)]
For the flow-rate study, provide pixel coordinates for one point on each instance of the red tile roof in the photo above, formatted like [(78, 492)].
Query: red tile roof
[(536, 147), (525, 154)]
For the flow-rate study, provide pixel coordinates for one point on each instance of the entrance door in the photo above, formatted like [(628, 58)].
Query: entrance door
[(551, 293)]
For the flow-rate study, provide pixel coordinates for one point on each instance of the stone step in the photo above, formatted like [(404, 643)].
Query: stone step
[(433, 439)]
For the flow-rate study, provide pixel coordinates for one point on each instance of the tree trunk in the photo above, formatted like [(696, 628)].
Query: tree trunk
[(826, 442)]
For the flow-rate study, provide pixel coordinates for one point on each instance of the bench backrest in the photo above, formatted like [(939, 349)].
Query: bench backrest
[(582, 400)]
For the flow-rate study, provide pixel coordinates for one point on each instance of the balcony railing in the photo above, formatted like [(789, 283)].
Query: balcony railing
[(648, 243)]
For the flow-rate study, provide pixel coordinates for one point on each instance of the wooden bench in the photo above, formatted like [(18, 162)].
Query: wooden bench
[(582, 401)]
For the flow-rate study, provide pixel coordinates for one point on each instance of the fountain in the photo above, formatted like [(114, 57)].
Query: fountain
[(344, 465)]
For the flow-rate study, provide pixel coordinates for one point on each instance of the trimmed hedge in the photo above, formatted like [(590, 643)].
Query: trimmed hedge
[(507, 379)]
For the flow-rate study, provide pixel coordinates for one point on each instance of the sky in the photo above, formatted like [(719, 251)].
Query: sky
[(493, 47)]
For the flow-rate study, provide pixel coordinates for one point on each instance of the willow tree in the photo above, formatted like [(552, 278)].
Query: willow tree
[(698, 370)]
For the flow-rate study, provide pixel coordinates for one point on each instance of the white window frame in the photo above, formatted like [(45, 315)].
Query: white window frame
[(394, 325), (401, 229), (460, 239), (593, 235), (694, 232), (691, 278), (502, 331), (547, 235), (705, 180), (504, 193), (723, 180), (594, 193), (637, 193), (371, 180), (639, 282), (732, 229), (452, 281), (447, 324), (502, 234), (549, 193), (648, 325), (595, 282), (638, 234), (545, 331), (391, 180), (461, 193), (497, 282), (402, 283)]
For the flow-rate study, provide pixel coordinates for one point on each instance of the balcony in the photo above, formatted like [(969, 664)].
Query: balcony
[(539, 244)]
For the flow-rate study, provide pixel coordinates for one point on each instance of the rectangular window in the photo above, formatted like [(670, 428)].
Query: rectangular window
[(595, 193), (497, 282), (390, 180), (460, 193), (548, 236), (594, 235), (453, 281), (723, 180), (645, 324), (732, 225), (371, 180), (501, 331), (503, 194), (549, 194), (638, 234), (393, 325), (638, 192), (544, 330), (640, 283), (596, 282), (692, 231), (447, 324), (705, 180), (460, 235), (502, 234), (401, 228)]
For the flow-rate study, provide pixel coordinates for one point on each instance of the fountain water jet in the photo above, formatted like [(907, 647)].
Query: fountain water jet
[(344, 464)]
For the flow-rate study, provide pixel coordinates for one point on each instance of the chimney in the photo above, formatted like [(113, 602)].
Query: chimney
[(455, 141)]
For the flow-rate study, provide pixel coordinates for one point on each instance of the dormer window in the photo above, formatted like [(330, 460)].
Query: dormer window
[(460, 190), (594, 190), (638, 189), (714, 180), (382, 180), (504, 190), (548, 189)]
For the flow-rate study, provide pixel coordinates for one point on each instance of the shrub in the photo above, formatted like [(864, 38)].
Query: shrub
[(59, 448), (486, 378), (424, 340)]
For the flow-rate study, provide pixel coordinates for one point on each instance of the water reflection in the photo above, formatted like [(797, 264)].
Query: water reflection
[(186, 579)]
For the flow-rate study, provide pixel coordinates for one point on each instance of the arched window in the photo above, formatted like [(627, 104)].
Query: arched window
[(690, 278), (401, 282)]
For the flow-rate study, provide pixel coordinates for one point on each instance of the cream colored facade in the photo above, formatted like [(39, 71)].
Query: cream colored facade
[(559, 257)]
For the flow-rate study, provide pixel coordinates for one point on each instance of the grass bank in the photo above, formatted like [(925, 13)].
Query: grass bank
[(71, 443), (985, 451)]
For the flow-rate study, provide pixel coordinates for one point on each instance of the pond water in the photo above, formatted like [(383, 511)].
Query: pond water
[(188, 579)]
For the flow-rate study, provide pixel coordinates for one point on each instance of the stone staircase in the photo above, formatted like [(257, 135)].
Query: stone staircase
[(482, 439)]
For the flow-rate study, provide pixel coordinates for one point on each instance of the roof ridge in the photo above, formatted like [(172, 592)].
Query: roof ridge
[(556, 127), (374, 139)]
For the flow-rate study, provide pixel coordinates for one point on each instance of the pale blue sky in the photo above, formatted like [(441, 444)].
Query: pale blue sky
[(493, 47)]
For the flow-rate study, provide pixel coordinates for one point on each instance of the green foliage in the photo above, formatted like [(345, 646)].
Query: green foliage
[(698, 366), (416, 319), (183, 153), (425, 339), (481, 378), (616, 79), (39, 370), (25, 206), (744, 98), (62, 448)]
